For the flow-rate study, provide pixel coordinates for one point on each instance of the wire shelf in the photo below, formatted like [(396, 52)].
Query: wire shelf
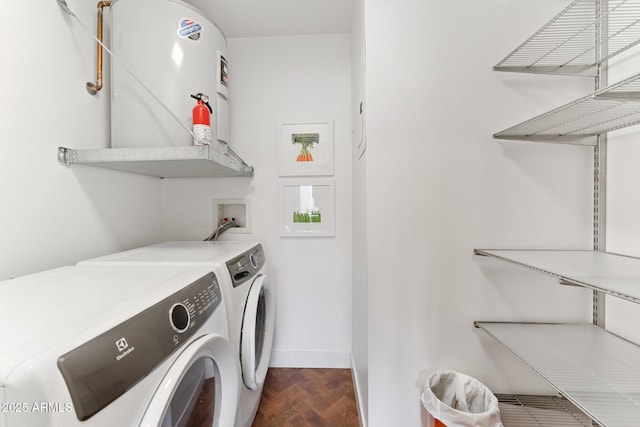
[(540, 411), (614, 107), (571, 43), (164, 162), (595, 370), (614, 274)]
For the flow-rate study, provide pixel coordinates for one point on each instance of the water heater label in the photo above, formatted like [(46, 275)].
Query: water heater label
[(224, 77), (189, 29)]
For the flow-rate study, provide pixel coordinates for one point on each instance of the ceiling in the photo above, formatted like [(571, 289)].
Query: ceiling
[(260, 18)]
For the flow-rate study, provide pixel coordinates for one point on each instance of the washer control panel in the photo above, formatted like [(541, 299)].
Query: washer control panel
[(104, 368), (245, 266)]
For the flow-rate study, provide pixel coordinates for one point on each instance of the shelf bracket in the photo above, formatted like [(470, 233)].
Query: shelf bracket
[(600, 157), (565, 282), (627, 96), (67, 156)]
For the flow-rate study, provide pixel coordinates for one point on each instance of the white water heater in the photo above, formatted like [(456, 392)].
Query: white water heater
[(174, 51)]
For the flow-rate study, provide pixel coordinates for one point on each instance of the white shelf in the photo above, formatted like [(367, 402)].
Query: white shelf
[(614, 107), (570, 43), (163, 162), (594, 369), (540, 411), (613, 274)]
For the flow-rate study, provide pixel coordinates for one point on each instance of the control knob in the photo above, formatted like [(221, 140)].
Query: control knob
[(179, 317)]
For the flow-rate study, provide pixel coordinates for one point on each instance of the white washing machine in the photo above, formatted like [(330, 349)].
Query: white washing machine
[(117, 346), (241, 267), (252, 298)]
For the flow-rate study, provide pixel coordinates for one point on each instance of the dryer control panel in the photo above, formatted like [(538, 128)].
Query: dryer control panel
[(104, 368), (247, 265)]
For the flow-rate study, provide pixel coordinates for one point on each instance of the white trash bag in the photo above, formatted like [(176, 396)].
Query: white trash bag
[(457, 400)]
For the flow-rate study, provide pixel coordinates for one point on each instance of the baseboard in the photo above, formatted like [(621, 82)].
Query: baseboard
[(310, 359), (357, 387)]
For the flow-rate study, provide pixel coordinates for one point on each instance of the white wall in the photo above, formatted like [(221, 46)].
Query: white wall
[(274, 80), (53, 215), (438, 186), (360, 330)]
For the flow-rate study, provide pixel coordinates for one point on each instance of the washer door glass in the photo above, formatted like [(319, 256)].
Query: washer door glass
[(257, 333), (199, 389), (194, 403)]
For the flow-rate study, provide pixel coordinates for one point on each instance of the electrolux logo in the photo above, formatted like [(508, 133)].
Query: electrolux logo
[(123, 348), (122, 344)]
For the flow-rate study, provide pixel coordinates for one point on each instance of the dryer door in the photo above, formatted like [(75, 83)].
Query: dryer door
[(201, 388), (257, 332)]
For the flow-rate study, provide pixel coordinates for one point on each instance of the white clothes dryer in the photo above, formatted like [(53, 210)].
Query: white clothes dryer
[(125, 346), (247, 290), (253, 306), (213, 255)]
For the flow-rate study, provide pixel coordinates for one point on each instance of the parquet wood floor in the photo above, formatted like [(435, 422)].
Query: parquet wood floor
[(307, 397)]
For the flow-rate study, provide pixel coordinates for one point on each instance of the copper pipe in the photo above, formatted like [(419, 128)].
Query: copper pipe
[(91, 87)]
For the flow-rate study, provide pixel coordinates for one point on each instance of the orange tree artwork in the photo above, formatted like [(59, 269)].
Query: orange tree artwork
[(307, 142)]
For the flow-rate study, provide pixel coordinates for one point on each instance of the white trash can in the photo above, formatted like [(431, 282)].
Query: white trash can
[(453, 399)]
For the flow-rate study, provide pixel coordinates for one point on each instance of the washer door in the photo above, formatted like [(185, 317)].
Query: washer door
[(257, 332), (200, 389)]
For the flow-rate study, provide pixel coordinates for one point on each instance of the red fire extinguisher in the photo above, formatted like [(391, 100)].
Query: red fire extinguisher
[(202, 120)]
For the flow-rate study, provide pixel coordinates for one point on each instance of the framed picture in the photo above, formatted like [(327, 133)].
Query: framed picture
[(307, 209), (306, 149)]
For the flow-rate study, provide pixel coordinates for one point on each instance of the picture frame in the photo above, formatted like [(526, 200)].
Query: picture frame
[(306, 149), (308, 209)]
